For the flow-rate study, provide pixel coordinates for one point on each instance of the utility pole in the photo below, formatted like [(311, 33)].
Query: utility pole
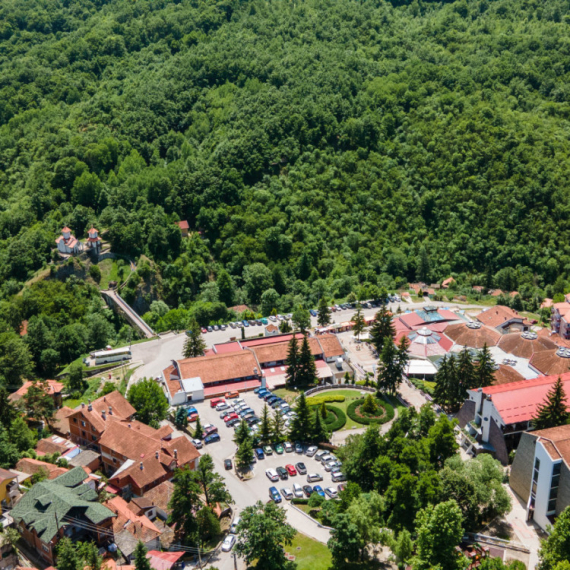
[(235, 561)]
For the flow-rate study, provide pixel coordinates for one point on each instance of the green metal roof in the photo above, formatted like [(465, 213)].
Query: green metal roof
[(48, 503)]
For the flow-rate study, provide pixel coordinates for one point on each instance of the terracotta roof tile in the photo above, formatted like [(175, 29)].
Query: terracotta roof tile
[(473, 338), (219, 367), (549, 363), (32, 466), (278, 351), (53, 387), (331, 345), (556, 441), (507, 374), (514, 343), (160, 495), (495, 316)]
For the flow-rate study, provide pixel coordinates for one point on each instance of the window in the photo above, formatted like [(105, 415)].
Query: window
[(114, 460), (537, 464), (74, 420), (83, 434), (93, 438), (83, 424), (551, 506), (46, 548)]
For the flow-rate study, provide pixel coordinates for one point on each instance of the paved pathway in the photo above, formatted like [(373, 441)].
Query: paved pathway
[(526, 532), (131, 315)]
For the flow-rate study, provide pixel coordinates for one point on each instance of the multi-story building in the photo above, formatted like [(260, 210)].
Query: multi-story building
[(540, 473), (560, 319)]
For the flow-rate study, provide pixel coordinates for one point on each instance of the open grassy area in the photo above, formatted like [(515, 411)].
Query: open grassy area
[(109, 272), (309, 554), (287, 394), (89, 394)]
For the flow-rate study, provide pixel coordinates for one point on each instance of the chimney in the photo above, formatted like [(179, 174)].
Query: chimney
[(129, 426), (104, 398), (82, 405), (141, 466), (90, 408), (156, 454), (176, 454), (103, 415), (110, 411)]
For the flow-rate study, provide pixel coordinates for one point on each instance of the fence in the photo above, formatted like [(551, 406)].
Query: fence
[(339, 387)]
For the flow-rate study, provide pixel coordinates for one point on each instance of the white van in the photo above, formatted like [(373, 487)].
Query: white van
[(235, 522)]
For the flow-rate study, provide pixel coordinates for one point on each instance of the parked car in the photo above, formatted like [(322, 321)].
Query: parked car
[(252, 323), (231, 416), (341, 487), (298, 447), (284, 411), (291, 470), (239, 325), (301, 468), (319, 490), (259, 322), (264, 321), (282, 472), (251, 421), (311, 450), (227, 464), (222, 406), (228, 543), (288, 447), (274, 494), (319, 454), (286, 492), (233, 527), (233, 422), (276, 403), (338, 476), (212, 438), (272, 475), (259, 453), (268, 450), (279, 449), (308, 490), (226, 413), (210, 329), (314, 477), (231, 395), (245, 323), (297, 490), (197, 443), (273, 318), (313, 312), (204, 330), (210, 430), (262, 393), (329, 466), (331, 492), (233, 325), (215, 401)]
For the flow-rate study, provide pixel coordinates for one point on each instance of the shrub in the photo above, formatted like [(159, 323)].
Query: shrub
[(297, 501), (335, 418), (388, 412), (318, 400), (95, 273), (370, 406)]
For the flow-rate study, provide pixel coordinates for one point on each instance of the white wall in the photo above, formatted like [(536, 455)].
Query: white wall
[(543, 485)]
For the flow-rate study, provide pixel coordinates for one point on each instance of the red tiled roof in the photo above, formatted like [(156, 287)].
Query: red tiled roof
[(556, 441), (53, 387), (32, 466), (518, 401), (220, 367), (239, 308), (269, 340), (548, 362), (160, 495), (6, 475), (473, 338), (331, 345), (546, 304), (447, 282), (140, 527), (227, 347), (121, 410), (506, 375), (163, 560), (65, 229), (411, 319), (60, 421), (183, 225), (221, 389), (278, 351), (515, 344), (498, 315), (496, 293)]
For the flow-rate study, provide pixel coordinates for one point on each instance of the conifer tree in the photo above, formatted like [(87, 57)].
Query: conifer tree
[(324, 316), (278, 427), (198, 431), (141, 561), (307, 370), (554, 411), (358, 322), (301, 425), (382, 328), (241, 433), (485, 371), (292, 361), (194, 345), (244, 454), (319, 432), (466, 373), (265, 427)]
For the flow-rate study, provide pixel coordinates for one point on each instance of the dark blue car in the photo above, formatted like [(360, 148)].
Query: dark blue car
[(211, 438), (319, 490), (274, 494), (259, 453)]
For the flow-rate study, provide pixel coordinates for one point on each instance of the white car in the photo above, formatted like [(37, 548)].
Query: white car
[(286, 492), (331, 492), (272, 475), (311, 451), (197, 443), (319, 454), (273, 318), (329, 465), (298, 490), (288, 447), (221, 407), (314, 477), (228, 543), (235, 522)]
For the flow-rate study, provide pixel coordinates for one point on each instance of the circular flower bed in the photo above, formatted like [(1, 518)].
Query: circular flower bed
[(383, 414), (336, 418)]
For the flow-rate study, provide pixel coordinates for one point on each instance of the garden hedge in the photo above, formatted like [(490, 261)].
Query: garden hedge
[(318, 400), (336, 418), (388, 412), (297, 501)]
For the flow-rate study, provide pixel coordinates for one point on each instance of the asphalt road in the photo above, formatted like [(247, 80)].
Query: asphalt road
[(157, 354)]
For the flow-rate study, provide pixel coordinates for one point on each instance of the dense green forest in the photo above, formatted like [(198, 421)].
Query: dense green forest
[(313, 146)]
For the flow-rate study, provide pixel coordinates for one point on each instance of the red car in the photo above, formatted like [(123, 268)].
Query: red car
[(193, 417), (229, 417), (291, 470), (215, 401), (204, 330), (210, 430)]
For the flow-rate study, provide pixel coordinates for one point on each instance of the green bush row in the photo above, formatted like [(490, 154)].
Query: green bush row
[(388, 412), (297, 501), (318, 400), (336, 418)]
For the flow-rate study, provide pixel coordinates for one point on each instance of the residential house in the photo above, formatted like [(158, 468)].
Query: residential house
[(88, 422), (165, 560), (159, 497), (540, 473), (57, 444), (9, 490), (60, 507), (139, 459), (33, 466), (497, 416), (88, 459), (129, 528), (53, 388), (59, 424), (547, 303), (504, 319), (271, 330), (184, 227), (67, 243), (445, 284), (94, 242), (142, 506), (560, 319)]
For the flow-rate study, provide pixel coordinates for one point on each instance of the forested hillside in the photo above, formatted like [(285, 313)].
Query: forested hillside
[(316, 145)]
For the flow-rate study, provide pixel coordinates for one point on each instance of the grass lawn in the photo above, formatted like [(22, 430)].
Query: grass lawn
[(89, 394), (309, 554), (285, 393)]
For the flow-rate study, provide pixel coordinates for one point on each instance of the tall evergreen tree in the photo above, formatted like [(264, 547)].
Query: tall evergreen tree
[(292, 361), (423, 265), (265, 427), (198, 431), (141, 561), (244, 454), (466, 373), (241, 433), (358, 322), (324, 316), (382, 329), (194, 345), (307, 373), (448, 391), (392, 364), (319, 432), (485, 370), (184, 503), (8, 412), (301, 425), (278, 427), (554, 411)]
